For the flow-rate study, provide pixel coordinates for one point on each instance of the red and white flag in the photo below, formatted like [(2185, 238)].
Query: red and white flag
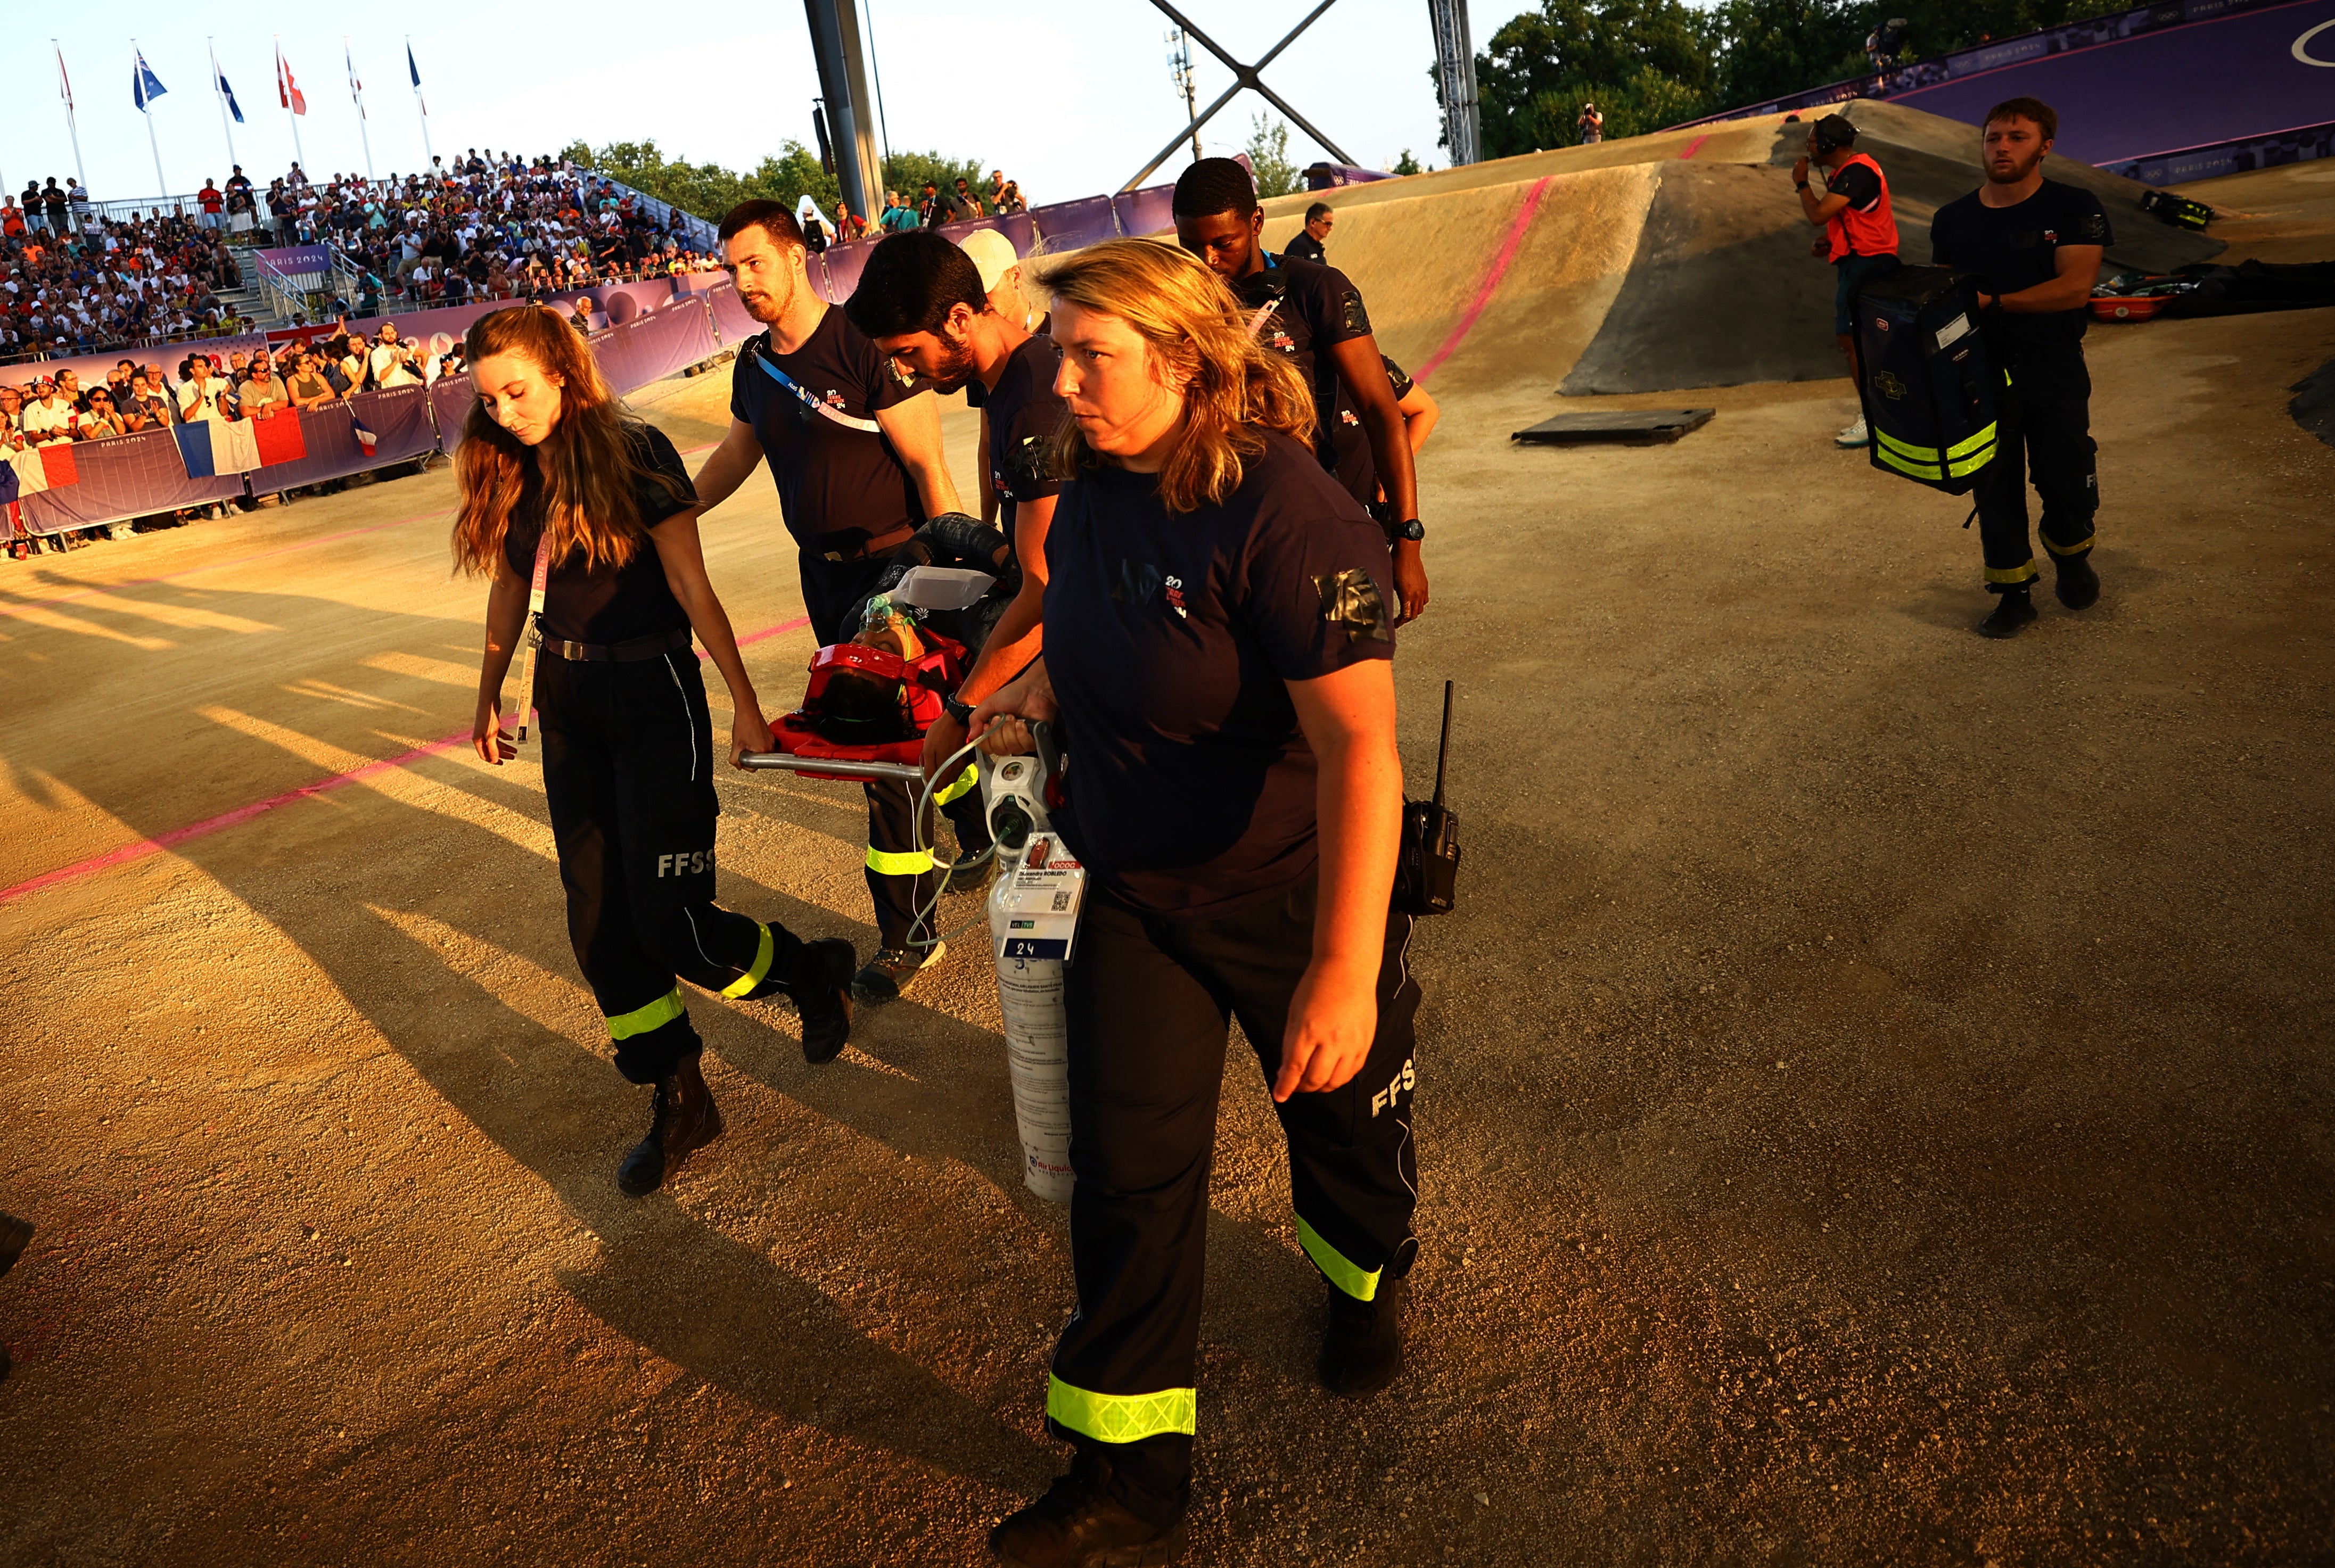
[(64, 83), (366, 439), (288, 91)]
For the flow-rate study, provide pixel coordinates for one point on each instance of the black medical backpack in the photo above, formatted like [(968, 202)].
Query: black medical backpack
[(1930, 390)]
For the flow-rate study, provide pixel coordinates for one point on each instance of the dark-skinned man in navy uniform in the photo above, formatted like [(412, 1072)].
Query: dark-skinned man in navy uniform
[(1314, 315)]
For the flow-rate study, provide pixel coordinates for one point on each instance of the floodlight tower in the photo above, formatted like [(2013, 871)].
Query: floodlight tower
[(1455, 75), (1179, 66), (850, 107)]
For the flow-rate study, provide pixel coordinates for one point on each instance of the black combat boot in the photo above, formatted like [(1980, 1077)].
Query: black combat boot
[(685, 1119), (819, 980), (1079, 1525), (2013, 609), (1361, 1342), (2074, 582)]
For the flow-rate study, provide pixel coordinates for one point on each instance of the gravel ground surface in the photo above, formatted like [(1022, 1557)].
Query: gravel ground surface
[(1874, 1106)]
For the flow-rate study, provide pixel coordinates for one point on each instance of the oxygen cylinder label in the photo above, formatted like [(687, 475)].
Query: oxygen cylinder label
[(1030, 983)]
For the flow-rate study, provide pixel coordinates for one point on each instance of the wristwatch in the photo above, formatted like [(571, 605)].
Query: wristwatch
[(958, 711), (1413, 531), (1799, 185)]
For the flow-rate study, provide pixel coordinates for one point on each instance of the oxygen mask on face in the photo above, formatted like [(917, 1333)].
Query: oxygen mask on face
[(890, 626)]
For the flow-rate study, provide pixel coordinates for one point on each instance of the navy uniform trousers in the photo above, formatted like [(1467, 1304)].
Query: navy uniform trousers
[(901, 877), (1148, 1001), (2044, 430), (628, 766)]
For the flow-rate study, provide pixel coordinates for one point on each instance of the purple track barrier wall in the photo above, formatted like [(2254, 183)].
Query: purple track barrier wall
[(2233, 78), (125, 477), (2138, 87), (1068, 225), (655, 347), (842, 266), (1016, 227), (730, 321), (450, 397), (1146, 211), (398, 417)]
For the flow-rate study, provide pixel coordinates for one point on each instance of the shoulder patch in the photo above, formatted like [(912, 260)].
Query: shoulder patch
[(1352, 316), (1349, 600)]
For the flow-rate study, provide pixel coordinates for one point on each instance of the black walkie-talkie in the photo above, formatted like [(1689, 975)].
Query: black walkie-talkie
[(1426, 866)]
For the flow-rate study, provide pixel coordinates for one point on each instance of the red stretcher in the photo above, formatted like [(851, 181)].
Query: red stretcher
[(924, 680)]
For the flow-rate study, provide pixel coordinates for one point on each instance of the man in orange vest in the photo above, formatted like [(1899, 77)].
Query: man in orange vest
[(1860, 233)]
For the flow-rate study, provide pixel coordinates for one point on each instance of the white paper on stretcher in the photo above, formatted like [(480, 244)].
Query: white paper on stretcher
[(941, 587)]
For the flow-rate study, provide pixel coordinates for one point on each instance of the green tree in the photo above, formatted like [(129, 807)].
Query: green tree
[(1268, 157), (1646, 63), (709, 190), (1767, 48), (1407, 164)]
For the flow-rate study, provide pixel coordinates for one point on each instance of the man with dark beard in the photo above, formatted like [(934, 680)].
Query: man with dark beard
[(857, 454), (2034, 246), (922, 300)]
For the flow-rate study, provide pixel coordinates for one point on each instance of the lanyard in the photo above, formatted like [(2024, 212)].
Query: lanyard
[(814, 404), (535, 594), (1256, 320)]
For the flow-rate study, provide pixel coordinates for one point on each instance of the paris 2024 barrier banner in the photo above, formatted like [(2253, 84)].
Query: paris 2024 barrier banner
[(89, 484)]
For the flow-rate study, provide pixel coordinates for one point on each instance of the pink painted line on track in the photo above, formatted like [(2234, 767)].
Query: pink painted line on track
[(1694, 146), (130, 854), (22, 606), (1492, 276)]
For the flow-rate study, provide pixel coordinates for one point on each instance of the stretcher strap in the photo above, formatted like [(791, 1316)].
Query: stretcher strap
[(899, 863), (1122, 1418), (642, 1019), (1336, 1267), (760, 966), (533, 634)]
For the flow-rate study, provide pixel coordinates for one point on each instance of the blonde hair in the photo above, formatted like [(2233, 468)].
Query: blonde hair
[(1235, 389), (587, 464)]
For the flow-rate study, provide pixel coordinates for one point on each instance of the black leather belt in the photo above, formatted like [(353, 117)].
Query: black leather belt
[(655, 646)]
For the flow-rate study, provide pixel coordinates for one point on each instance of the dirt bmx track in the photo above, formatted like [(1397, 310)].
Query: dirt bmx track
[(1876, 1098)]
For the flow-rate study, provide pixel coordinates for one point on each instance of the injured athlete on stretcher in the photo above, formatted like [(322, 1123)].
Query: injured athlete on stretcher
[(870, 700)]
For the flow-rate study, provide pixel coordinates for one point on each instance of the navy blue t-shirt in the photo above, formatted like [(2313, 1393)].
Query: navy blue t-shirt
[(2010, 248), (607, 603), (1313, 308), (832, 479), (1023, 415), (1169, 640)]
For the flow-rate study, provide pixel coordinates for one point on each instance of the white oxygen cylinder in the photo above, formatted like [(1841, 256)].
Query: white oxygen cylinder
[(1028, 989)]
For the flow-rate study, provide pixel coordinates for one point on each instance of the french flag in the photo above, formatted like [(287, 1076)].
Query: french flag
[(29, 471), (210, 448), (366, 439)]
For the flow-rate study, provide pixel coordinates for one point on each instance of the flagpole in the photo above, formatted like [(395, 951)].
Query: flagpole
[(414, 71), (72, 128), (224, 127), (364, 136), (139, 64), (284, 91)]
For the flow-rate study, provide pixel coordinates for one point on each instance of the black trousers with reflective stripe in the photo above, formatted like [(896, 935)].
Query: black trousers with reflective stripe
[(2044, 429), (1147, 1001), (628, 766), (829, 590)]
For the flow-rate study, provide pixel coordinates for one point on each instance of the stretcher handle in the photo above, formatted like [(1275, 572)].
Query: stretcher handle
[(834, 767)]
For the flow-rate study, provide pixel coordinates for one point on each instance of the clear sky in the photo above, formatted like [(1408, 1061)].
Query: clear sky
[(1069, 98)]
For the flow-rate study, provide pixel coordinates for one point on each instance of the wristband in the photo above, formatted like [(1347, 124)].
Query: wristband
[(1803, 184), (957, 711)]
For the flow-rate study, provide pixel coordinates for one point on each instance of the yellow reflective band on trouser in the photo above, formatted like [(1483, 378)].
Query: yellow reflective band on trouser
[(641, 1020), (886, 863), (2078, 549), (1122, 1418), (2026, 574), (1335, 1266), (964, 783), (761, 967)]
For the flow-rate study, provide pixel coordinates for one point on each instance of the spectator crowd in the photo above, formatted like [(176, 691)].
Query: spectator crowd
[(74, 283)]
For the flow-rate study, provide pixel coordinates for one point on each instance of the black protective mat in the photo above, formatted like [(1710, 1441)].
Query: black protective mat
[(1628, 426)]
